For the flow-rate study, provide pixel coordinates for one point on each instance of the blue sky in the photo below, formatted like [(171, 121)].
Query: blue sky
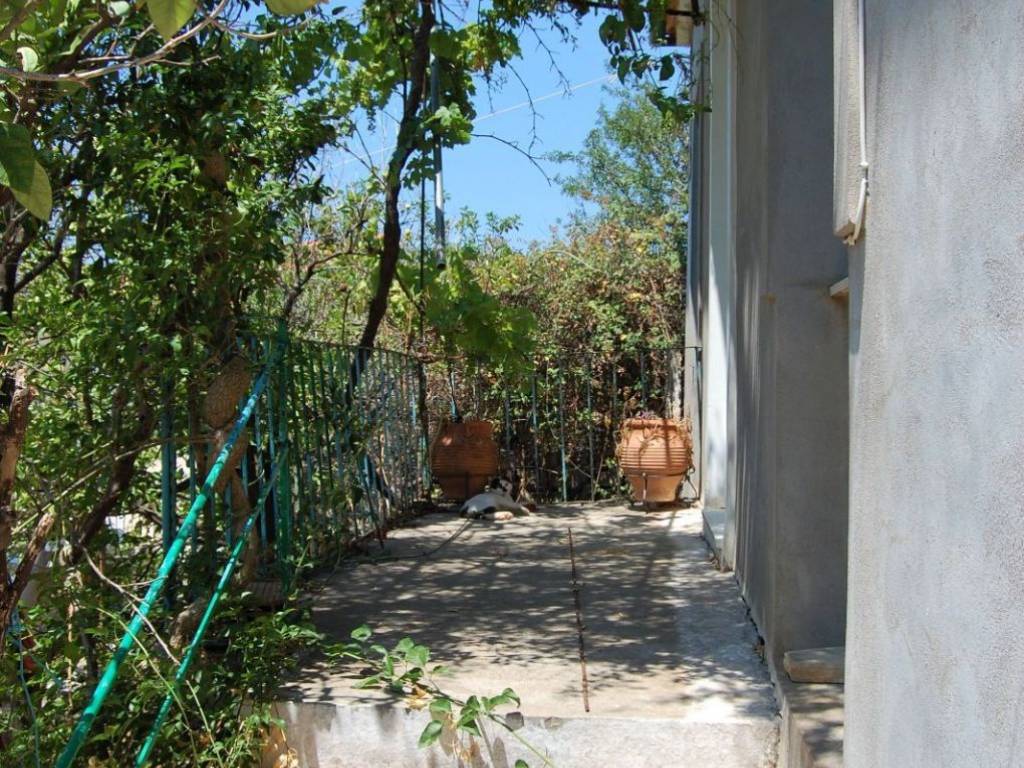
[(488, 176)]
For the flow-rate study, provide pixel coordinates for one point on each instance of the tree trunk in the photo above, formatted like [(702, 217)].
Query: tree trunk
[(12, 440), (11, 594), (391, 248), (121, 477)]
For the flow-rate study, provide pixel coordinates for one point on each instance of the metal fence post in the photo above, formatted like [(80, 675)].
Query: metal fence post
[(536, 434), (168, 482), (561, 434), (283, 488), (590, 429)]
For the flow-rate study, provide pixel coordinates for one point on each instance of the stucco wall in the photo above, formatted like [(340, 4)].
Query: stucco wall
[(696, 269), (935, 658), (791, 336)]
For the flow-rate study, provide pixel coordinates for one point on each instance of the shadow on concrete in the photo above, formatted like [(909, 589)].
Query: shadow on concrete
[(666, 634)]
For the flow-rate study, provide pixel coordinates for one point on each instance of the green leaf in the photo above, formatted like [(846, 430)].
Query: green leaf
[(612, 30), (431, 733), (622, 69), (29, 59), (405, 645), (361, 634), (667, 68), (169, 16), (20, 171), (441, 706), (418, 656), (634, 14), (508, 696), (522, 764), (290, 7), (443, 44), (469, 725)]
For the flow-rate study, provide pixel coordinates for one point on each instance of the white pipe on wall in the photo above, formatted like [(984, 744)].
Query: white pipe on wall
[(862, 199)]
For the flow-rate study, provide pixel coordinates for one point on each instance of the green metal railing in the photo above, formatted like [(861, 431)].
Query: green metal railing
[(225, 579), (331, 452), (557, 427), (177, 544)]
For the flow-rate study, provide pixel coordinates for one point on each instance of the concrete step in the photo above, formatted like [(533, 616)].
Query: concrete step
[(327, 735)]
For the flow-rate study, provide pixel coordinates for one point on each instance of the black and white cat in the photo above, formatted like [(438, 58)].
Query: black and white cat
[(496, 502)]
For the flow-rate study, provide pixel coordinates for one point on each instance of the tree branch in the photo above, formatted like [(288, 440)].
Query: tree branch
[(517, 148), (392, 241), (83, 76), (18, 18)]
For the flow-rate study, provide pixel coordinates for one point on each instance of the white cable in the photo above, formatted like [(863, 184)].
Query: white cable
[(497, 112), (545, 97), (862, 198)]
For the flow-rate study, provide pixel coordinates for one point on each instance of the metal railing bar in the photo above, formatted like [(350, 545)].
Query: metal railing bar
[(110, 673), (225, 578)]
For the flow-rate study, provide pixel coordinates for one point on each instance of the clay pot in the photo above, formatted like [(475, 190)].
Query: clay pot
[(463, 458), (655, 455)]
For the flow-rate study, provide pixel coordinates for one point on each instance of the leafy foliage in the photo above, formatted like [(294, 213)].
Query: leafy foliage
[(70, 42), (468, 321), (180, 188), (222, 715), (20, 171), (612, 281), (633, 168), (405, 671)]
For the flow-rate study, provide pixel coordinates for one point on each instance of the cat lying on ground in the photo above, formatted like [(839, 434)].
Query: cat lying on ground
[(496, 502)]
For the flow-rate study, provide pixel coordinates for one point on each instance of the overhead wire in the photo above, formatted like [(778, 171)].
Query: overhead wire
[(498, 112)]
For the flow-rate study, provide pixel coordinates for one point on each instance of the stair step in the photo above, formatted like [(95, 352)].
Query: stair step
[(329, 735), (816, 665)]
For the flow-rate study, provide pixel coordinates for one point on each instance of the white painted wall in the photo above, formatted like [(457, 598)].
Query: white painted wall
[(719, 344), (935, 658), (693, 380)]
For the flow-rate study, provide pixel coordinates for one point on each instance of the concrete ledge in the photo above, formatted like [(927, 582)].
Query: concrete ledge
[(812, 725), (840, 289), (673, 676), (328, 735), (816, 665)]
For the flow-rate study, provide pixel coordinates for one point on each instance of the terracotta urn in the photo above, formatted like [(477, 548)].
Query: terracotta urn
[(464, 458), (655, 455)]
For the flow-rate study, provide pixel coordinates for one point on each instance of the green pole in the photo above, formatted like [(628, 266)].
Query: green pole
[(168, 479), (536, 433), (590, 428), (561, 435), (283, 493), (106, 683), (308, 495)]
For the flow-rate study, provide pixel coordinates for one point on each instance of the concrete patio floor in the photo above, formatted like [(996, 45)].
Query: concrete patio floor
[(674, 676)]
